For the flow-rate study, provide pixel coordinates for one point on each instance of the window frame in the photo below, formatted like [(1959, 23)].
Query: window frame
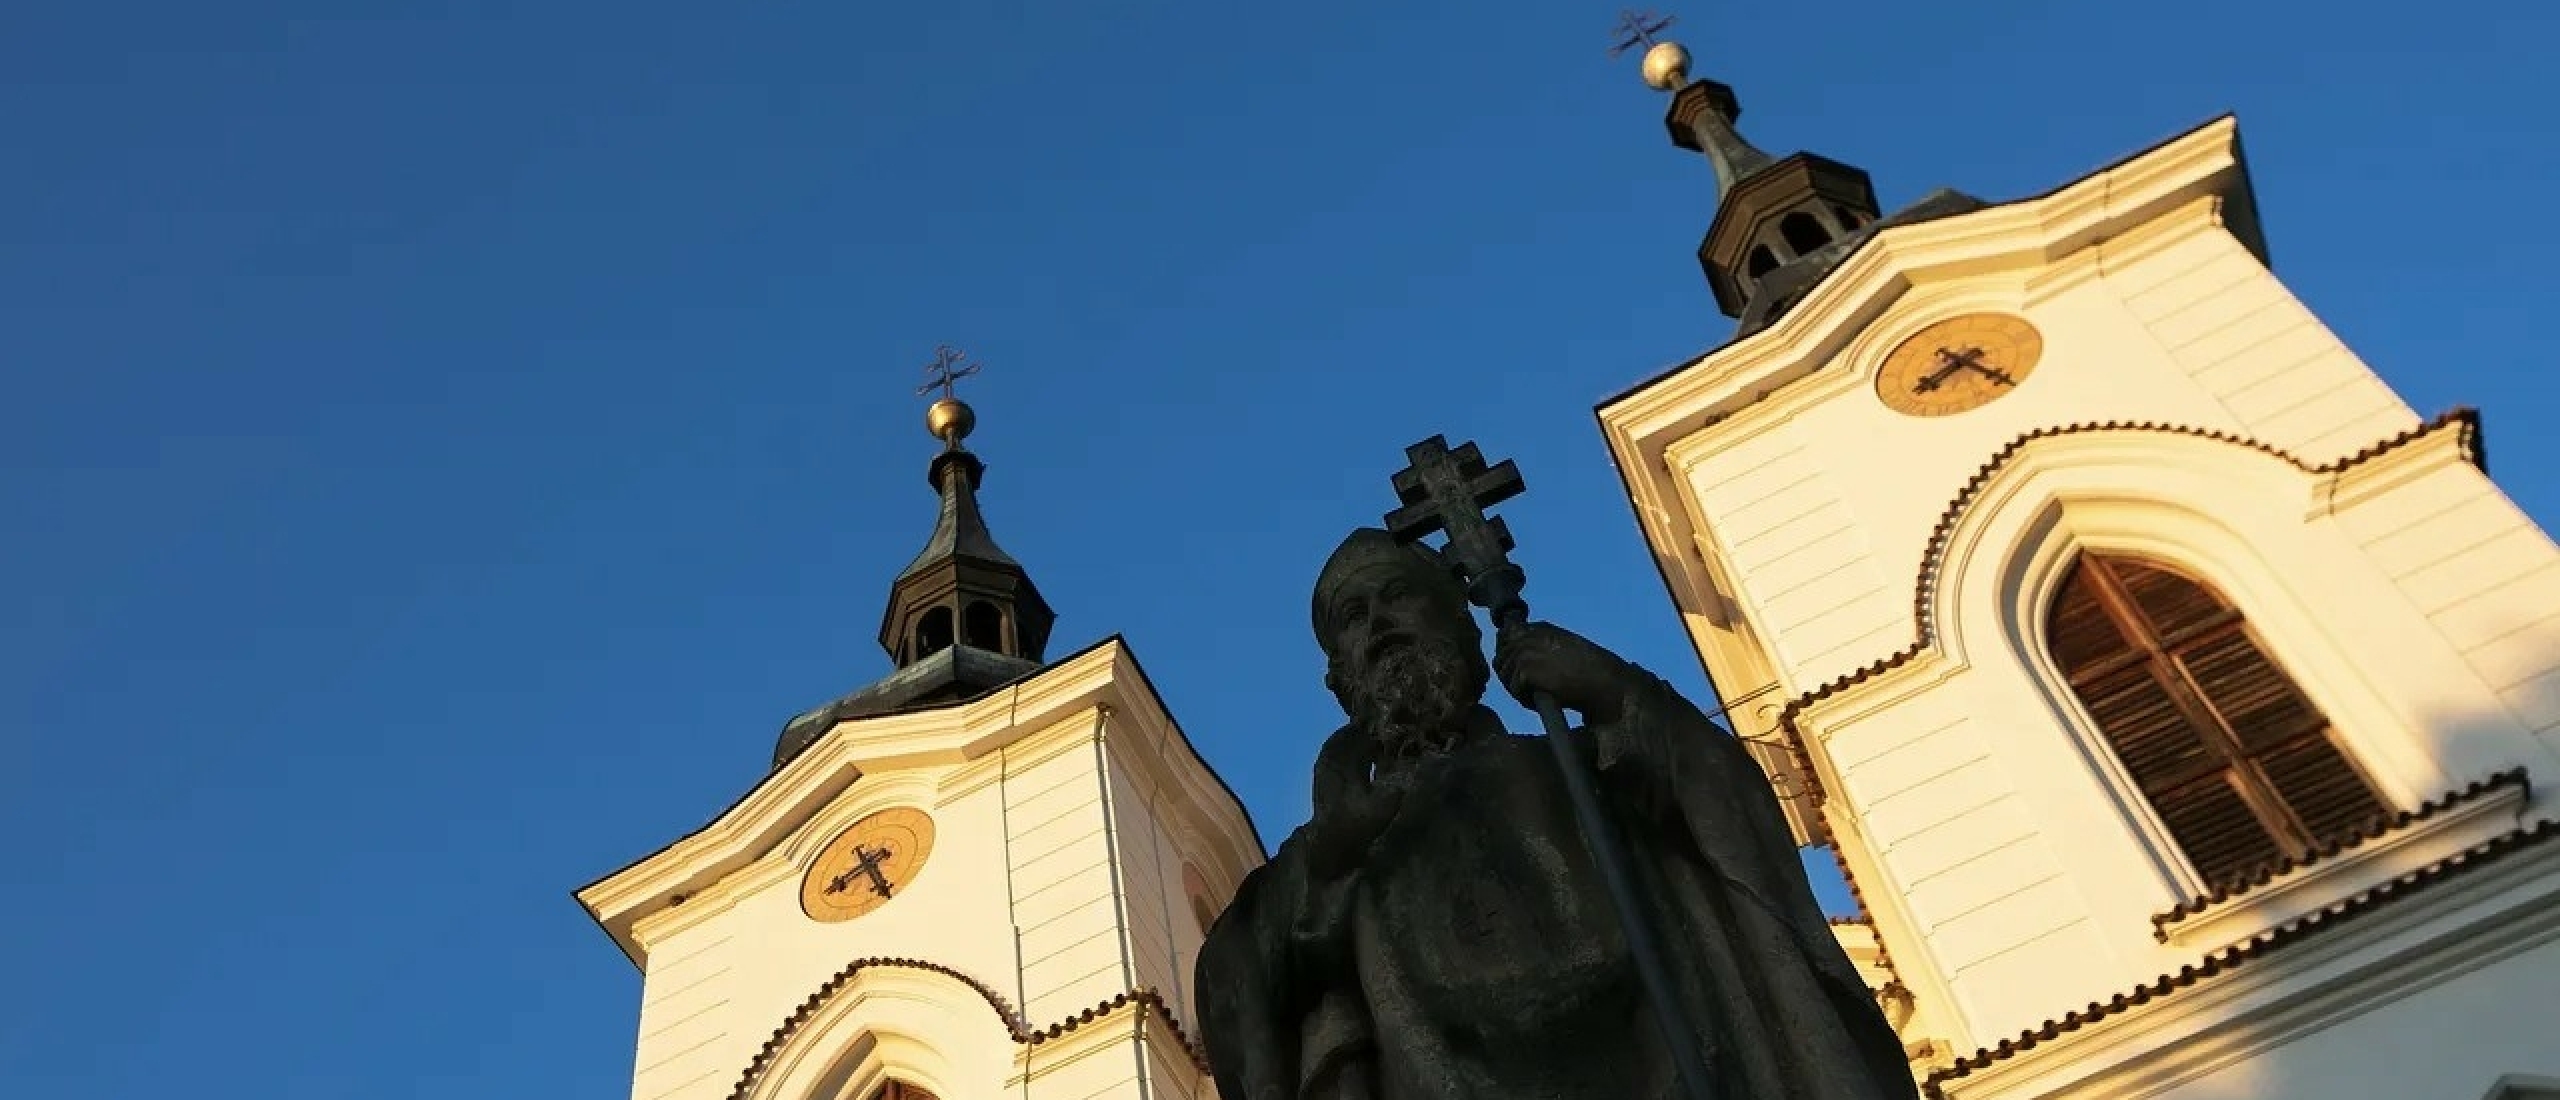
[(2226, 758)]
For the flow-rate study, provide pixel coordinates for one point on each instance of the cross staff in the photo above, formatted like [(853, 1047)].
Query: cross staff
[(1447, 490)]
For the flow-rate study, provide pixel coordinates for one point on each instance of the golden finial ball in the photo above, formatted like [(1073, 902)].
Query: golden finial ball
[(1666, 67), (950, 420)]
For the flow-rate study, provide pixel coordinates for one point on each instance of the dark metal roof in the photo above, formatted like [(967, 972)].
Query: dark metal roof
[(960, 530), (1704, 119), (947, 678), (1779, 290)]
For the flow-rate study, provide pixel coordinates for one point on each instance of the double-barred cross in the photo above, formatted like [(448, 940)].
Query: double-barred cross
[(1447, 490), (946, 369), (1637, 28)]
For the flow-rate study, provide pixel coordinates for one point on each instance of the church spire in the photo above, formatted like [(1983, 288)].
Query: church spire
[(961, 589), (1772, 213), (963, 618)]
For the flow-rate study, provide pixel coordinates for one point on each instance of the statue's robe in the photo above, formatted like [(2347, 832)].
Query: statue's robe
[(1458, 942)]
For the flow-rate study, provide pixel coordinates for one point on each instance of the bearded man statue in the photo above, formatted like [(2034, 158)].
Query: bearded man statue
[(1438, 929)]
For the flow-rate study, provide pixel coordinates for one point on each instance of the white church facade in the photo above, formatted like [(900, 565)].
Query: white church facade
[(2177, 700), (2172, 693)]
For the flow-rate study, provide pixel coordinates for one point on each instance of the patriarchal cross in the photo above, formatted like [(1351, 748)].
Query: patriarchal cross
[(867, 862), (1637, 28), (948, 367), (1447, 490)]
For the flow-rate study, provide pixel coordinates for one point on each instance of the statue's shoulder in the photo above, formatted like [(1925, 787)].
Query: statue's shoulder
[(1290, 859), (1265, 900)]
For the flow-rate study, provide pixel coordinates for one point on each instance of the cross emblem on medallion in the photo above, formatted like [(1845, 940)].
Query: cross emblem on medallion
[(867, 863)]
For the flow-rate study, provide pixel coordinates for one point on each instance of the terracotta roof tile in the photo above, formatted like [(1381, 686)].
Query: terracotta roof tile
[(2381, 825), (2234, 957), (1016, 1027)]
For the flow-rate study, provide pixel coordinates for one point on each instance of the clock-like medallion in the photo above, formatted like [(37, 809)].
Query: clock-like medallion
[(868, 865), (1959, 364)]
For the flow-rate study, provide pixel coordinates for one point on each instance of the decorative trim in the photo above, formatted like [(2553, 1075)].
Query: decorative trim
[(2464, 419), (757, 822), (2379, 826), (1020, 1030), (2234, 957), (1857, 897), (1932, 557)]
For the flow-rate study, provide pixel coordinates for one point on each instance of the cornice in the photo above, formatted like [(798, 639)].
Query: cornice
[(2090, 1050), (2016, 237), (776, 807), (2190, 920), (1933, 555)]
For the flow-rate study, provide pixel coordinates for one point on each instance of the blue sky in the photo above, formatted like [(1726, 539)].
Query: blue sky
[(441, 444)]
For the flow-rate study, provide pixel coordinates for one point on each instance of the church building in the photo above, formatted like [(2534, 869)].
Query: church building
[(987, 872), (2171, 693)]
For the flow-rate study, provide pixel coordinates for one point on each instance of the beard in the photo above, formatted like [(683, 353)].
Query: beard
[(1415, 697)]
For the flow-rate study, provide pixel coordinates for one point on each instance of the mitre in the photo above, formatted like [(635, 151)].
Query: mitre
[(1369, 555)]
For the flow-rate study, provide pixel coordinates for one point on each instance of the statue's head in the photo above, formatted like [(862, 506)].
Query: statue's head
[(1403, 654)]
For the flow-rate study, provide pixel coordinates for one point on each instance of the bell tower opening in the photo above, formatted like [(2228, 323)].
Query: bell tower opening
[(933, 632), (1803, 232), (982, 626), (2239, 764)]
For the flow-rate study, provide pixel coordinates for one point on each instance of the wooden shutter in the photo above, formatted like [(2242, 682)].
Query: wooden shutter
[(2240, 766), (900, 1090)]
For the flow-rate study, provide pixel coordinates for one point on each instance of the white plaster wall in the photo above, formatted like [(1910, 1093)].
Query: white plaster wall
[(1020, 844), (1063, 878), (1820, 499), (2012, 862), (2483, 574), (2010, 870), (734, 964), (2221, 319), (2449, 1041), (1044, 838), (1163, 936), (2023, 867)]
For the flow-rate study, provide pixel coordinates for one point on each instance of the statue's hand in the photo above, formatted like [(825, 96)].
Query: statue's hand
[(1536, 659), (1615, 698)]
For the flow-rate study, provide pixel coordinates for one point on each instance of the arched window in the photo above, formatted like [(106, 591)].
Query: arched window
[(1762, 261), (933, 632), (1847, 218), (982, 626), (900, 1090), (2240, 766), (1803, 232)]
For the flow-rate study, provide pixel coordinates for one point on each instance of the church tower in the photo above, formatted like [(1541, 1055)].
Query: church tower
[(985, 874), (2173, 695)]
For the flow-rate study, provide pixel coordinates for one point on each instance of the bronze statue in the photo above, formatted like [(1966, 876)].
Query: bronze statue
[(1438, 930)]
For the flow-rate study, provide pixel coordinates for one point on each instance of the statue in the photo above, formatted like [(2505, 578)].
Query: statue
[(1438, 928)]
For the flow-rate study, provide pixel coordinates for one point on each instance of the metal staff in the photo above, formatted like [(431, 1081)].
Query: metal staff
[(1448, 490)]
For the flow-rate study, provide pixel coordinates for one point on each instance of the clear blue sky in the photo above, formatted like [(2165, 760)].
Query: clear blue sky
[(440, 444)]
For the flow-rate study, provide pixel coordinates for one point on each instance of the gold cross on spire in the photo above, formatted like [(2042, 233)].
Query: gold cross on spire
[(946, 370)]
